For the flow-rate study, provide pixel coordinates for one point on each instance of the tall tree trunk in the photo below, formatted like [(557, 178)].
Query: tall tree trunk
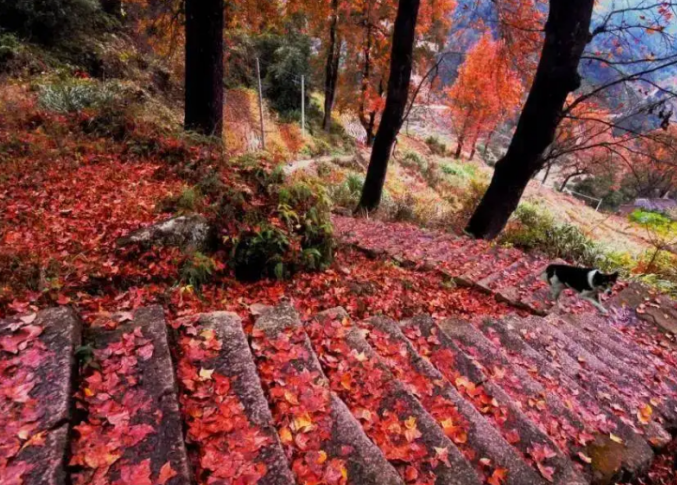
[(547, 173), (204, 67), (567, 32), (459, 148), (474, 145), (366, 72), (486, 145), (401, 60), (332, 67)]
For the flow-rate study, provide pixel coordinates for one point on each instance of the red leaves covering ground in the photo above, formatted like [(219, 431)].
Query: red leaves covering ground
[(445, 412), (301, 404), (444, 359), (364, 386), (21, 355), (119, 416), (224, 444)]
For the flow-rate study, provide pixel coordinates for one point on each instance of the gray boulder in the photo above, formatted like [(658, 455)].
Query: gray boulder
[(191, 232)]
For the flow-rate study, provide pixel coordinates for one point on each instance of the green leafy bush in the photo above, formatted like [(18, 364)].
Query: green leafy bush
[(533, 230), (260, 253), (73, 95), (413, 160), (348, 193), (198, 270), (300, 238), (436, 146)]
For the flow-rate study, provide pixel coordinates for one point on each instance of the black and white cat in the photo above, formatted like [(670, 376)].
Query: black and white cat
[(587, 282)]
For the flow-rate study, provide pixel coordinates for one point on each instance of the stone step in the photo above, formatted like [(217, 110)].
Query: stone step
[(639, 324), (585, 369), (37, 369), (513, 274), (619, 358), (323, 441), (666, 413), (534, 445), (475, 437), (566, 428), (633, 458), (229, 428), (489, 262), (390, 415), (519, 294), (131, 426), (603, 330), (658, 311)]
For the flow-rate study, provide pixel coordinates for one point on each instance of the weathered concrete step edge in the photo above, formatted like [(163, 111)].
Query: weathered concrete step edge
[(458, 471), (565, 472), (490, 262), (665, 407), (481, 435), (618, 358), (167, 443), (468, 338), (55, 379), (604, 390), (515, 294), (620, 345), (631, 459), (235, 361), (491, 282), (366, 465), (638, 454)]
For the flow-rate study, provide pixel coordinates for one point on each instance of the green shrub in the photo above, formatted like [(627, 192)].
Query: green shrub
[(73, 95), (436, 146), (413, 160), (197, 270), (533, 230), (260, 253), (188, 201), (464, 171), (651, 220), (348, 193), (300, 239)]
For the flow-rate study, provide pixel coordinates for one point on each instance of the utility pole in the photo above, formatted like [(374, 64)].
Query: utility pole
[(263, 133), (303, 106)]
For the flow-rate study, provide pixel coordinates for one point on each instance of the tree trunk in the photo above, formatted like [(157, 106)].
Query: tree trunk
[(204, 67), (486, 145), (370, 129), (567, 32), (567, 179), (474, 146), (112, 7), (332, 67), (459, 149), (547, 173), (366, 71), (401, 60)]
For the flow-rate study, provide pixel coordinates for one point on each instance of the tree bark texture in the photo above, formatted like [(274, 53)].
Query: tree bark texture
[(567, 32), (204, 67), (401, 61)]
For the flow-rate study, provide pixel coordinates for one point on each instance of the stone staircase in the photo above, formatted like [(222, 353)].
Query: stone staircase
[(523, 400), (558, 395)]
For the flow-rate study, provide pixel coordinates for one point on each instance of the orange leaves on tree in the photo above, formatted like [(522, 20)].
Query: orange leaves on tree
[(486, 92)]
